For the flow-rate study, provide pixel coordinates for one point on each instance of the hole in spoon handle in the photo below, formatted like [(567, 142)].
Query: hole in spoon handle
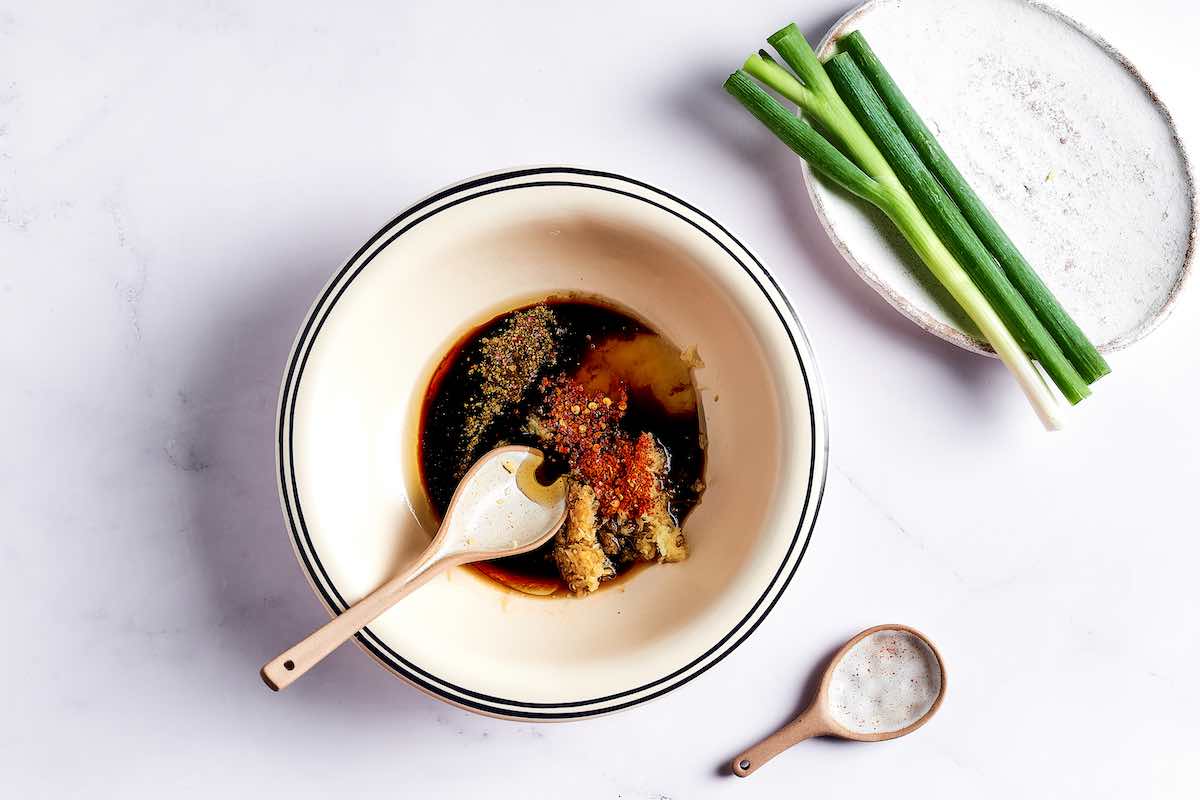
[(281, 671), (799, 729)]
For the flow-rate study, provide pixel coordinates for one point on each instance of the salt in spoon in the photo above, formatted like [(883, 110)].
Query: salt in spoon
[(883, 658), (499, 509)]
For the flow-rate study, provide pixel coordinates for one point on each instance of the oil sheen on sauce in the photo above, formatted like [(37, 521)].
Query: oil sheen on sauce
[(595, 344)]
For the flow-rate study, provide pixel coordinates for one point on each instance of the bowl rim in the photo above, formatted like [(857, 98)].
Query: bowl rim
[(951, 333), (448, 197)]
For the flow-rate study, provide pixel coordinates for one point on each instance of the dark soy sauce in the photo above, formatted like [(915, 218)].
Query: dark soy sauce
[(606, 343)]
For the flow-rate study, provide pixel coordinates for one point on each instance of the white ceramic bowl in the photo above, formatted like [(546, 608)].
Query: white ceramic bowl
[(349, 411), (1061, 137)]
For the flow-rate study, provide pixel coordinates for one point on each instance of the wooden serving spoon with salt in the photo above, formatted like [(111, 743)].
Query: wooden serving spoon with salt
[(500, 508), (885, 682)]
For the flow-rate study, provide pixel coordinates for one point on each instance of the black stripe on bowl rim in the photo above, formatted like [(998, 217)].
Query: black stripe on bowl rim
[(512, 180)]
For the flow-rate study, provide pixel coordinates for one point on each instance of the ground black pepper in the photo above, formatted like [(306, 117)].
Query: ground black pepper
[(509, 362)]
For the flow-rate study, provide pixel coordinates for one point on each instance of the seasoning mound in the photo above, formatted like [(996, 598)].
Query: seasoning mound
[(619, 505), (509, 362)]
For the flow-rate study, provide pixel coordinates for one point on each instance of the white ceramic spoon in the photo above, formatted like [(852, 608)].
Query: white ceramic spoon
[(821, 719), (499, 509)]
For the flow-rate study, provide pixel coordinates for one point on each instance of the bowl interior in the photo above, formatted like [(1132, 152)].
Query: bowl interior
[(354, 428)]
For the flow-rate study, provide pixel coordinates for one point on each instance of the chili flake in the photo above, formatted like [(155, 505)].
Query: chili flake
[(621, 471)]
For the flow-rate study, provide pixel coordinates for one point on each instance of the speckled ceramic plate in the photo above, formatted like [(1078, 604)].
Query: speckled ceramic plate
[(350, 407), (1061, 137)]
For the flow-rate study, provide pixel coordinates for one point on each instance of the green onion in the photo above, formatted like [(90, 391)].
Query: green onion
[(804, 141), (1070, 339), (819, 99), (883, 189), (952, 227)]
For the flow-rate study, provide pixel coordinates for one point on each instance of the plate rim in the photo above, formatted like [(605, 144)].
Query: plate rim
[(818, 459), (948, 332)]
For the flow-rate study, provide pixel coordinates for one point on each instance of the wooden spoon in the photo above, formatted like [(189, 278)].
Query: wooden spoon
[(499, 509), (819, 719)]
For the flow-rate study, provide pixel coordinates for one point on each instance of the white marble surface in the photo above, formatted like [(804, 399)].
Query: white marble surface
[(176, 182)]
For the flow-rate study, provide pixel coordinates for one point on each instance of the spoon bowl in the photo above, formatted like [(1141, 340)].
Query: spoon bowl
[(913, 672), (500, 508)]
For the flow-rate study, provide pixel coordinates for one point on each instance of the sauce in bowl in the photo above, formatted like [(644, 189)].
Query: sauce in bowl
[(498, 385)]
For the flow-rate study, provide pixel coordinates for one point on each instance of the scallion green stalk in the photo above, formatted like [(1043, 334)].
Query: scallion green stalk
[(885, 192), (952, 227), (820, 100), (1074, 344)]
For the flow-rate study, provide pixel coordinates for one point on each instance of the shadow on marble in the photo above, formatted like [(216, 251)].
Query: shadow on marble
[(259, 594), (805, 697)]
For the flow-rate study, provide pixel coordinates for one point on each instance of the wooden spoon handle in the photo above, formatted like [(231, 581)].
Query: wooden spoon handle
[(805, 726), (289, 665)]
